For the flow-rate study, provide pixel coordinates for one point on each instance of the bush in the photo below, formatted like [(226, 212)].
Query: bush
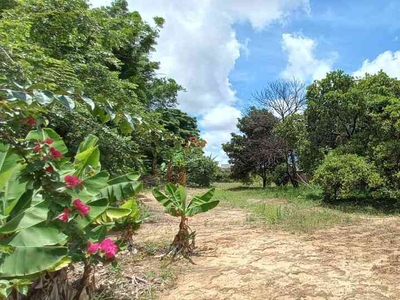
[(346, 175), (201, 171), (280, 175), (223, 175)]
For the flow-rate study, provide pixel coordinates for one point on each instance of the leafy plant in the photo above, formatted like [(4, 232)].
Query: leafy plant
[(175, 201), (343, 175)]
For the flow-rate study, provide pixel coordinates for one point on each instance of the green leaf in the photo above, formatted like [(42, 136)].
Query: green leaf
[(26, 261), (30, 217), (41, 234), (89, 102), (43, 97), (8, 164), (167, 202), (89, 157), (66, 101), (203, 203), (11, 189), (122, 187)]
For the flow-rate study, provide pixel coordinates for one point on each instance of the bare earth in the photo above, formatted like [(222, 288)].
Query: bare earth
[(241, 261)]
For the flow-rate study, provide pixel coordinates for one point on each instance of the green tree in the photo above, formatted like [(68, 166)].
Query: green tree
[(258, 150)]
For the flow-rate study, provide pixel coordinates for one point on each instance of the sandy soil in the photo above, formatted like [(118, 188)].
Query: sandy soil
[(241, 261)]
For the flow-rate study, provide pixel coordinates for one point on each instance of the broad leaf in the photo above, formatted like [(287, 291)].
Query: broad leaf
[(121, 188), (41, 234), (30, 217), (203, 203), (26, 261)]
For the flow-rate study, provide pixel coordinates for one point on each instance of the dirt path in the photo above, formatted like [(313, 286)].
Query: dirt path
[(240, 261)]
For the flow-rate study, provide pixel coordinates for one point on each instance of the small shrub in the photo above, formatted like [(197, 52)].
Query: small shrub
[(202, 171), (346, 175)]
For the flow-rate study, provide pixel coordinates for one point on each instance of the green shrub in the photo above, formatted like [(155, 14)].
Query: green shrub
[(346, 175), (202, 171), (280, 175), (223, 175)]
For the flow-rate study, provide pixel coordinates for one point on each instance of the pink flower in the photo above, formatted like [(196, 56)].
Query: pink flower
[(48, 141), (92, 248), (31, 121), (55, 154), (72, 181), (49, 169), (37, 147), (81, 207), (108, 247), (64, 216)]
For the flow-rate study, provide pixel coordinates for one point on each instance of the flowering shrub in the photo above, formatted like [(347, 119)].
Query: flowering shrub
[(50, 204)]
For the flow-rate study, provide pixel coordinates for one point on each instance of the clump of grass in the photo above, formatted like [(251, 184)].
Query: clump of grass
[(153, 247)]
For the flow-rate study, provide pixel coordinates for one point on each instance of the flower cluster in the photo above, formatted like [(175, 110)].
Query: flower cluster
[(53, 152), (107, 247), (72, 181), (82, 208)]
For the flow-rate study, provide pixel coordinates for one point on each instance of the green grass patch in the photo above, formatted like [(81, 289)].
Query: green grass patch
[(287, 208)]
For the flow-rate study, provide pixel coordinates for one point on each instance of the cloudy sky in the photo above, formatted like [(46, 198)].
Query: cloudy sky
[(223, 50)]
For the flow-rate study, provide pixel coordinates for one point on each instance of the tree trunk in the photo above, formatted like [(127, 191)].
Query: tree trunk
[(182, 176), (264, 182), (294, 169), (154, 166), (169, 172)]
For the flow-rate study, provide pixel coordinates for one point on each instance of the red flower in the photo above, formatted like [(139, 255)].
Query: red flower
[(55, 154), (48, 141), (64, 216), (191, 138), (49, 169), (72, 181), (92, 248), (37, 147), (109, 248), (31, 121), (81, 207)]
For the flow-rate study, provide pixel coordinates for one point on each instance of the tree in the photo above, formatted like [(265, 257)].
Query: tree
[(356, 116), (258, 150), (107, 51), (284, 98)]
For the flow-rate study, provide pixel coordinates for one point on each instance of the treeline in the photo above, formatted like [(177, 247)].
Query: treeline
[(104, 54), (342, 132)]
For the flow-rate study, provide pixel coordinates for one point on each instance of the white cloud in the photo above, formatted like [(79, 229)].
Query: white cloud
[(302, 63), (198, 47), (217, 124), (387, 61)]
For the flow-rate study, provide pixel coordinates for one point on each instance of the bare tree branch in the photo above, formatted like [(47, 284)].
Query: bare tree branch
[(282, 97)]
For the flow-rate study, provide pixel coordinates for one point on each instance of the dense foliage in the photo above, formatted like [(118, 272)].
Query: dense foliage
[(357, 116), (107, 53), (348, 136), (257, 150)]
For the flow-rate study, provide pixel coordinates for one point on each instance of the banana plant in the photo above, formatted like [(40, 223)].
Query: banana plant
[(176, 204)]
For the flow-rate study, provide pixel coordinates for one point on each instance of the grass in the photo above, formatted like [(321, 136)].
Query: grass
[(296, 210)]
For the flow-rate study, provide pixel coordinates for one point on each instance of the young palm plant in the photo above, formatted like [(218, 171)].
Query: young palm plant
[(176, 204)]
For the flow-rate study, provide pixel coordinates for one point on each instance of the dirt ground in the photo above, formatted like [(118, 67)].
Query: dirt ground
[(239, 260)]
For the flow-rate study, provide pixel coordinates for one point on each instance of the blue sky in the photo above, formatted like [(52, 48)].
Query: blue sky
[(351, 31), (221, 51)]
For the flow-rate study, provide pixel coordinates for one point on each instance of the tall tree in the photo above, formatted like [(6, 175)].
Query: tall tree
[(284, 98), (257, 150)]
